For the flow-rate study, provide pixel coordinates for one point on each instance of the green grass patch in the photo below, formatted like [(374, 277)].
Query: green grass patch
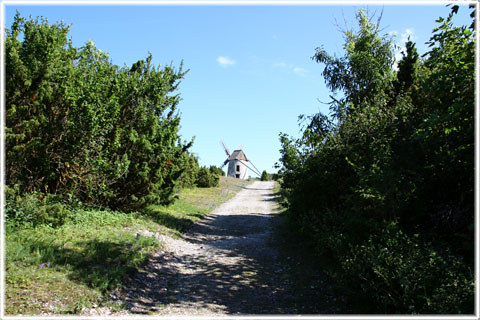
[(31, 290), (61, 270), (193, 204)]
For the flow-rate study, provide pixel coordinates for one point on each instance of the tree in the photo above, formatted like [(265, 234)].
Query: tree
[(264, 176), (206, 178), (364, 73), (39, 74), (217, 171), (383, 189), (77, 124)]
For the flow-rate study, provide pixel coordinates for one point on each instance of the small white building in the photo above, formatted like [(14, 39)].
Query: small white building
[(237, 165)]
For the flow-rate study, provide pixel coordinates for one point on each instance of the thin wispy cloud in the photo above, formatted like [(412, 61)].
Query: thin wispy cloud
[(290, 68), (225, 61), (409, 33), (403, 36), (280, 64), (300, 71)]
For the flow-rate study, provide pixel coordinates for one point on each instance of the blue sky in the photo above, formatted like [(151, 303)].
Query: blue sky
[(251, 73)]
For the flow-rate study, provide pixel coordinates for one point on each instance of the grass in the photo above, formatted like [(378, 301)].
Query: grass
[(194, 204), (74, 266)]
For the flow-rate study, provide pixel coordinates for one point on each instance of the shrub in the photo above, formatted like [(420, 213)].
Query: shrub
[(217, 171), (265, 176), (189, 163), (207, 179), (78, 124), (393, 159), (33, 209), (53, 215), (21, 210), (394, 273)]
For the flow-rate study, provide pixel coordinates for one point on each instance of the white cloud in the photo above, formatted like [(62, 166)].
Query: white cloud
[(398, 57), (280, 64), (290, 68), (225, 62), (409, 32), (300, 71)]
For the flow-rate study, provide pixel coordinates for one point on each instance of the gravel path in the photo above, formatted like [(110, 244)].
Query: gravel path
[(226, 264)]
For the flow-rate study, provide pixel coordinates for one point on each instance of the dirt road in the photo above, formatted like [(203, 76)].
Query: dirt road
[(226, 264)]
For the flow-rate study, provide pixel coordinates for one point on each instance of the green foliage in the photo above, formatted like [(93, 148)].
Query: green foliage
[(384, 187), (77, 124), (365, 70), (217, 171), (33, 209), (265, 176), (207, 178), (402, 275), (191, 167)]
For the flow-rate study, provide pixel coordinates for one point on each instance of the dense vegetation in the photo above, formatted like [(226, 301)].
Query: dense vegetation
[(80, 126), (208, 177), (81, 129), (383, 188), (93, 155)]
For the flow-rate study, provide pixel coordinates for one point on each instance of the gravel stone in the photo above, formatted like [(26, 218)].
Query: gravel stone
[(225, 264)]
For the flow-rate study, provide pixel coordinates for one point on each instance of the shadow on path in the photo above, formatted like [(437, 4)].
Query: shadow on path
[(228, 263), (234, 271)]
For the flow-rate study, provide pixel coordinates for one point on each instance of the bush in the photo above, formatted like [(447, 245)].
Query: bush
[(217, 171), (33, 209), (207, 179), (394, 273), (78, 124), (265, 176), (390, 171), (188, 178), (53, 215)]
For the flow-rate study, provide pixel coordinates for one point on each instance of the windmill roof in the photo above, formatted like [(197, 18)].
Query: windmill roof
[(238, 155)]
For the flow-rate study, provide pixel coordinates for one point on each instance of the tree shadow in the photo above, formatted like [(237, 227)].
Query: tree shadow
[(171, 221), (316, 291), (273, 197), (237, 270), (258, 189), (102, 265)]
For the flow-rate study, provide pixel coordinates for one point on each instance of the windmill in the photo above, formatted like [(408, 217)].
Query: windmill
[(237, 163)]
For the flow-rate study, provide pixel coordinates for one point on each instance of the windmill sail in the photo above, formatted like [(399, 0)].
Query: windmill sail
[(225, 148), (224, 163), (237, 163)]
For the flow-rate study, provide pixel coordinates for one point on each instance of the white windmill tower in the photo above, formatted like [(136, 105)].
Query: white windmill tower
[(237, 163)]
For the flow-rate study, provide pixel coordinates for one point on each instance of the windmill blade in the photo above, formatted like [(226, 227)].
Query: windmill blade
[(224, 163), (225, 148), (254, 165), (246, 165)]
